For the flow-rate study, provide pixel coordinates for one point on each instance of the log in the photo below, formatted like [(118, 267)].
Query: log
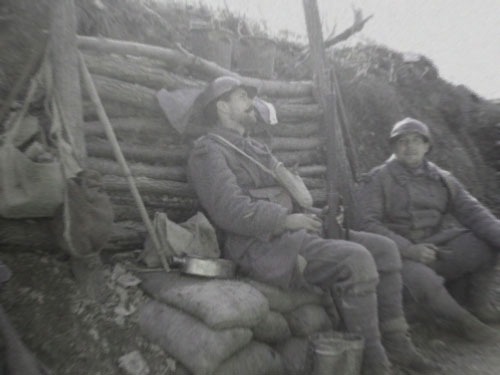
[(148, 127), (126, 235), (292, 158), (157, 202), (298, 112), (127, 212), (116, 110), (302, 129), (174, 173), (170, 155), (139, 138), (148, 185), (64, 59), (26, 235), (154, 198), (312, 170), (315, 183), (114, 90), (111, 167), (133, 127), (133, 71), (177, 58), (300, 100), (127, 93), (295, 144)]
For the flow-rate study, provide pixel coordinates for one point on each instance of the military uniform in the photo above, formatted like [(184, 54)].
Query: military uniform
[(429, 205), (242, 200)]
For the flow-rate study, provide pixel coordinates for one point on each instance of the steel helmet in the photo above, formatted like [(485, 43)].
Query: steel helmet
[(221, 86), (409, 125)]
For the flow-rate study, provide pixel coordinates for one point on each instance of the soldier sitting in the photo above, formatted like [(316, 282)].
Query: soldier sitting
[(408, 199), (273, 243)]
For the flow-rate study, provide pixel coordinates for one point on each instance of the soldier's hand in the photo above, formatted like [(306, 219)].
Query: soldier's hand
[(309, 222), (422, 252)]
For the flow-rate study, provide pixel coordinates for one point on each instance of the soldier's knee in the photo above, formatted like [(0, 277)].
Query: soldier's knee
[(361, 264), (386, 254), (421, 281)]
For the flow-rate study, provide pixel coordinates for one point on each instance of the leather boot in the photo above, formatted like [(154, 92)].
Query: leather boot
[(402, 352), (459, 320), (359, 313)]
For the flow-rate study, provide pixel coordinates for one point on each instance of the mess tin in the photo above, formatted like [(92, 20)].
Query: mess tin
[(205, 267)]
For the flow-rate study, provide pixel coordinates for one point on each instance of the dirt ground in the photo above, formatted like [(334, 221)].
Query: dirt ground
[(74, 336)]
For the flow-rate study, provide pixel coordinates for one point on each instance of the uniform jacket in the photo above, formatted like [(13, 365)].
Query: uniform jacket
[(415, 207), (225, 183)]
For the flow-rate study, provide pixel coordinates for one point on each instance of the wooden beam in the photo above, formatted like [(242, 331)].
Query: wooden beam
[(207, 68), (338, 176), (64, 58)]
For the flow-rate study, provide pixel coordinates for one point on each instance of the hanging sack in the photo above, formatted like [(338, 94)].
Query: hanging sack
[(31, 181)]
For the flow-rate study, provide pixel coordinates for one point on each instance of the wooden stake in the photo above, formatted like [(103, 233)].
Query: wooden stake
[(64, 57), (103, 117)]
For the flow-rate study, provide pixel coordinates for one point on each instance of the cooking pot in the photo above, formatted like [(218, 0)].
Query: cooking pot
[(206, 267)]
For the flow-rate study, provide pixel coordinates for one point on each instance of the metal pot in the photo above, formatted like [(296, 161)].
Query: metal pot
[(206, 267)]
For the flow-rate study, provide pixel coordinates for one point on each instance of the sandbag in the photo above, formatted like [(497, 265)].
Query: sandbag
[(199, 348), (218, 303), (285, 300), (308, 319), (273, 328), (254, 359), (296, 356)]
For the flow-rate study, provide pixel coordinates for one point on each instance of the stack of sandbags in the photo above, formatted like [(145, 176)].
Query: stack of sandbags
[(293, 317), (206, 324), (220, 327)]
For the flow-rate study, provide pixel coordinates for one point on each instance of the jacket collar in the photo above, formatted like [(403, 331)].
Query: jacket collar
[(403, 175)]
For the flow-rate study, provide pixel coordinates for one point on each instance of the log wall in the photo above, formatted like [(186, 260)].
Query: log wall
[(127, 77)]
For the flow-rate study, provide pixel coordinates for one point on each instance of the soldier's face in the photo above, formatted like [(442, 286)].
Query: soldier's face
[(410, 149), (240, 108)]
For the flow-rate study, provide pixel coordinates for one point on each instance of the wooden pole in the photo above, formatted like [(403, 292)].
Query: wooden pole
[(194, 63), (64, 58), (103, 117), (338, 176)]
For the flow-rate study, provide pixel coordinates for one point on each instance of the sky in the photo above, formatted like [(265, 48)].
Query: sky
[(461, 37)]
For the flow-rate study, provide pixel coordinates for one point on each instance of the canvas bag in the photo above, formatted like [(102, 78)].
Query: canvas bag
[(28, 188), (195, 238)]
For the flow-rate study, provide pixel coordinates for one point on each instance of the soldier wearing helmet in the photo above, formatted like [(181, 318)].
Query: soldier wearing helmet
[(272, 240), (410, 200)]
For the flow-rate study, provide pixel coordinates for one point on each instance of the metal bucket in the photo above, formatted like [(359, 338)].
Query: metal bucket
[(254, 56), (212, 44), (336, 353)]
